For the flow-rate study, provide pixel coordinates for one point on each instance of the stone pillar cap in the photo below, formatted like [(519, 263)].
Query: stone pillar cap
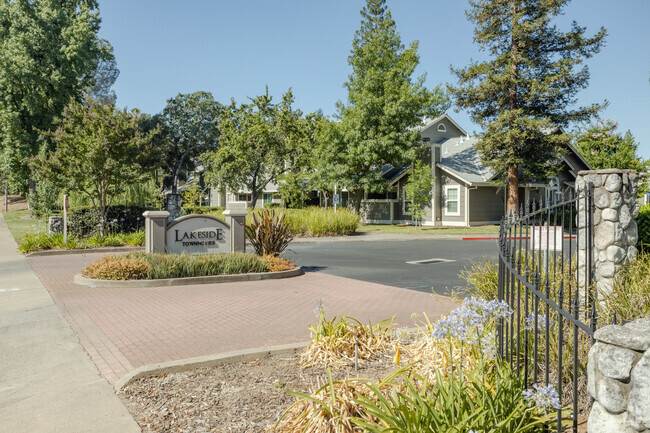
[(607, 171), (232, 212), (156, 214)]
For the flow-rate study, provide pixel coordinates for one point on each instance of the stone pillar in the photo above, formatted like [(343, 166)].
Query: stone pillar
[(236, 219), (155, 225), (614, 229), (173, 205), (618, 378)]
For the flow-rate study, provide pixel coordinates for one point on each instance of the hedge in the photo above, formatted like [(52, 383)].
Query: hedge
[(84, 221)]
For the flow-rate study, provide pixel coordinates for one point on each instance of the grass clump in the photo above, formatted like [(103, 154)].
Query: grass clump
[(118, 268), (160, 266), (468, 389), (630, 295), (316, 221), (277, 264)]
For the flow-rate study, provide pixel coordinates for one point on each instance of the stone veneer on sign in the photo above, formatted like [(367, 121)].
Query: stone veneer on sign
[(615, 232), (619, 379)]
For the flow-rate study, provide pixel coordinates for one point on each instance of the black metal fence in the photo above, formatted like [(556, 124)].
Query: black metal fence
[(545, 275)]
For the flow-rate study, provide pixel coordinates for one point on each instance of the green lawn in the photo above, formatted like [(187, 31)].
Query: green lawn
[(21, 223), (411, 230)]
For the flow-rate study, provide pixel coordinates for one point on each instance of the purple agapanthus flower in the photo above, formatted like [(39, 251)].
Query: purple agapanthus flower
[(542, 396)]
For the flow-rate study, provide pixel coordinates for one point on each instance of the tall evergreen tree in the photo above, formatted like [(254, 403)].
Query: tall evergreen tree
[(525, 91), (377, 125), (49, 52)]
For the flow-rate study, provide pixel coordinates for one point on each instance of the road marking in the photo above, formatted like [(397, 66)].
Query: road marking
[(15, 289), (429, 261)]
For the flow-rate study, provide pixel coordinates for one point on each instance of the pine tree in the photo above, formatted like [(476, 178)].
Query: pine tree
[(522, 95), (377, 125)]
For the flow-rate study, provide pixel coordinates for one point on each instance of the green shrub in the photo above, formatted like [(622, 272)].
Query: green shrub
[(317, 221), (44, 200), (218, 210), (83, 221), (43, 241), (643, 224), (268, 233), (117, 268), (489, 401)]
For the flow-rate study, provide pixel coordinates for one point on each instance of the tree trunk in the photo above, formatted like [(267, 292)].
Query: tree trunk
[(513, 169), (513, 189), (357, 201), (254, 197)]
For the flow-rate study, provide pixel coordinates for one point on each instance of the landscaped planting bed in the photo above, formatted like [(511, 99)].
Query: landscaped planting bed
[(142, 266), (449, 380)]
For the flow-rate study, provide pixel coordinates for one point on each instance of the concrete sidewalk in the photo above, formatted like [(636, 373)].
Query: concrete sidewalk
[(47, 382)]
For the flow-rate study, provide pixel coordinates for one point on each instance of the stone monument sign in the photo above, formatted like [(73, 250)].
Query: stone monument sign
[(197, 234)]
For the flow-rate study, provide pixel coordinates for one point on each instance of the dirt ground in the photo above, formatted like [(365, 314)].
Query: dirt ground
[(14, 202), (244, 397)]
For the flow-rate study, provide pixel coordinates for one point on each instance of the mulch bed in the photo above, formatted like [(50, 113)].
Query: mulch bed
[(243, 397)]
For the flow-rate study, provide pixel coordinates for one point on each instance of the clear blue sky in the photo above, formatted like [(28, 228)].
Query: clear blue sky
[(234, 48)]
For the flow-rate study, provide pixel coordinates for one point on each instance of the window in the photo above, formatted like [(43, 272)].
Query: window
[(452, 200), (407, 203), (441, 128), (268, 197), (244, 197)]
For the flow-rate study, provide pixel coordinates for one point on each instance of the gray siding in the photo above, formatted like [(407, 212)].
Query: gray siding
[(375, 210), (485, 204)]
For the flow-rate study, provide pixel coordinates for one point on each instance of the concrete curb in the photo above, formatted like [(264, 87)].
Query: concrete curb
[(84, 251), (213, 279), (206, 361)]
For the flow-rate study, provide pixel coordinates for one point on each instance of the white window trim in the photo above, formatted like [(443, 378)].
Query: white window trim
[(447, 188), (441, 128)]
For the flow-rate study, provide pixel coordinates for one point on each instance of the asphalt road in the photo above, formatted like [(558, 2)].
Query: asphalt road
[(386, 262)]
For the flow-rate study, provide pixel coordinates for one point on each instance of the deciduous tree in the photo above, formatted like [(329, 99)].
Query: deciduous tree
[(259, 142), (603, 147), (99, 150), (189, 128), (527, 88), (49, 51), (385, 104), (418, 188)]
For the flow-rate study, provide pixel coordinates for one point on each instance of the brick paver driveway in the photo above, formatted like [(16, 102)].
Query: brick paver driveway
[(122, 329)]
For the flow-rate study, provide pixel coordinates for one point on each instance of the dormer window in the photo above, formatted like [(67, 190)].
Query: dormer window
[(441, 128)]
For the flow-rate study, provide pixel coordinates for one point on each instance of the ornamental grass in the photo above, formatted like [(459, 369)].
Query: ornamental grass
[(160, 266), (464, 389)]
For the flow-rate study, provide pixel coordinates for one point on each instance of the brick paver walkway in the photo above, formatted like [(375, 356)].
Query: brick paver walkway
[(122, 329)]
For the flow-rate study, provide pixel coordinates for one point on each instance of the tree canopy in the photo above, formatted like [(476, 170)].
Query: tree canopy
[(527, 88), (603, 147), (99, 150), (49, 52), (189, 127), (259, 142), (378, 124)]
